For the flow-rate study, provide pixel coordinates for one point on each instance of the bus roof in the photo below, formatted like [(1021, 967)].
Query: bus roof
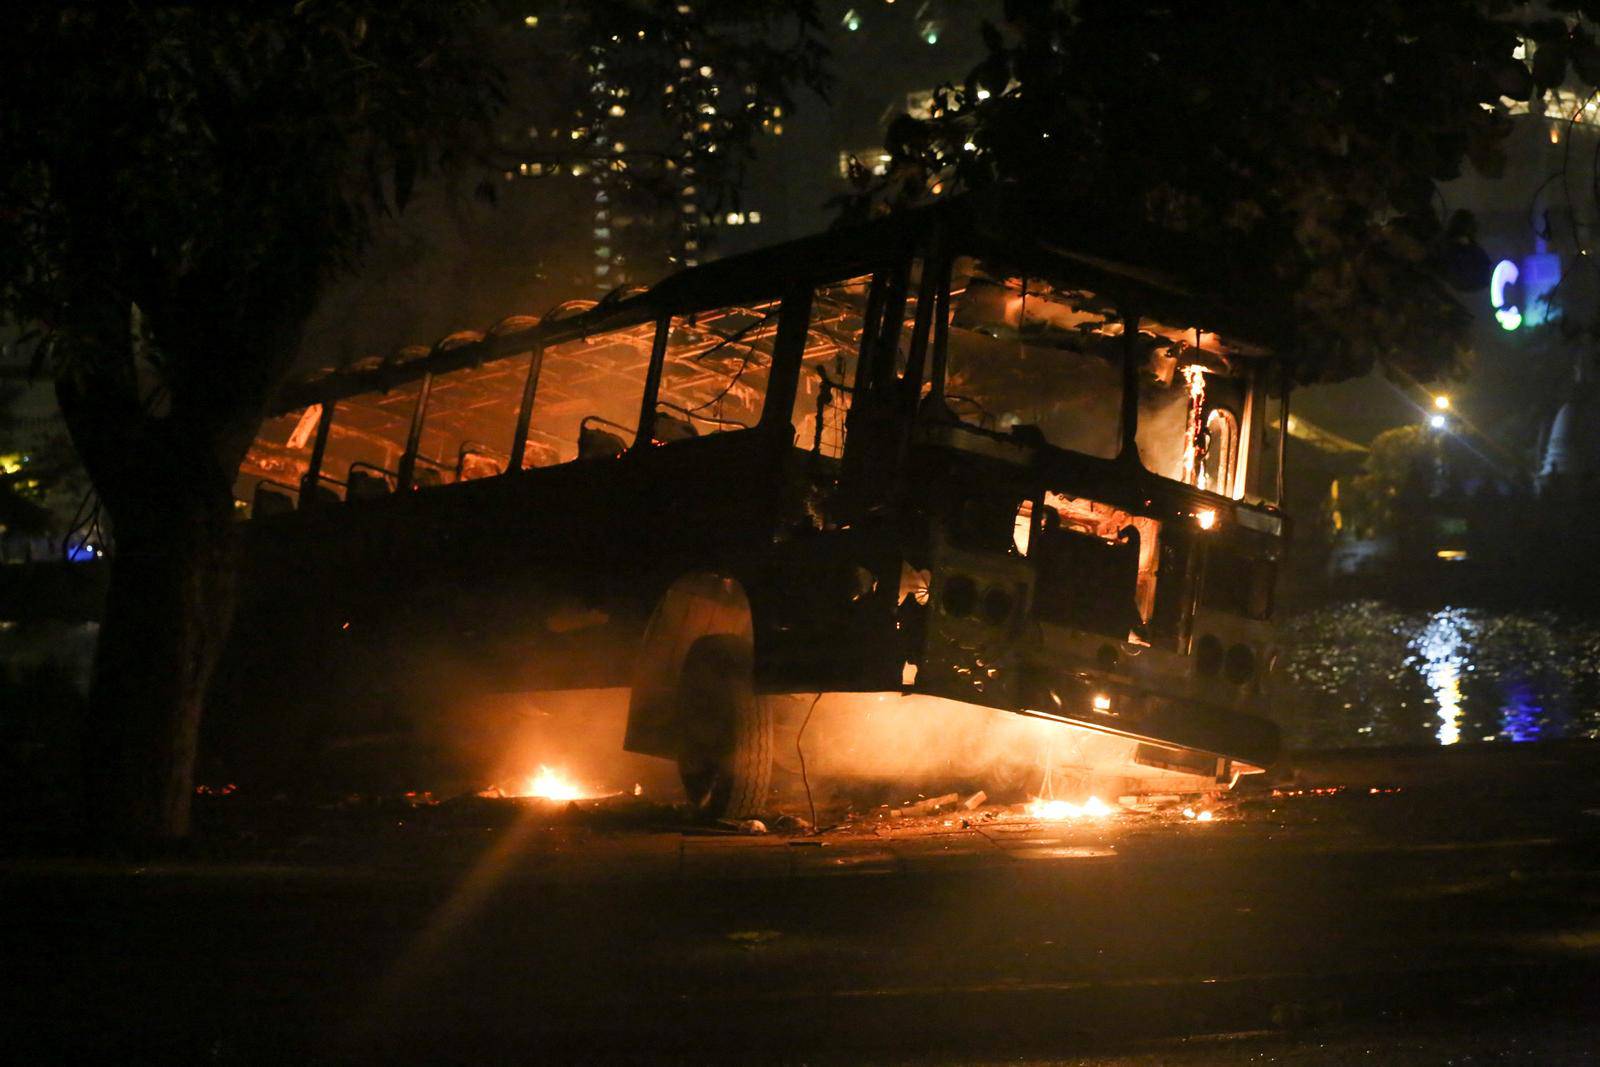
[(1136, 268)]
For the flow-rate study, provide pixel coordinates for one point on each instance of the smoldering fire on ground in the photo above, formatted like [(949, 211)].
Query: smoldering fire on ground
[(844, 760), (1374, 891)]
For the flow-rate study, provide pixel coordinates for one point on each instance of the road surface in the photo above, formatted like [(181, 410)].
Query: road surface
[(1392, 907)]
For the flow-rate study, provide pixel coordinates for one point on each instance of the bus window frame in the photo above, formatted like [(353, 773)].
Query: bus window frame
[(1129, 362), (406, 475), (788, 352), (319, 448), (888, 291), (788, 347), (1247, 459), (1225, 448), (530, 391), (644, 432)]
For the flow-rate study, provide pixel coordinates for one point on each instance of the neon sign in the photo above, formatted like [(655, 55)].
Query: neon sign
[(1505, 274)]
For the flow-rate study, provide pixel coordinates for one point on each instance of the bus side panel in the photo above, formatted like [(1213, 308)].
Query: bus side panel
[(355, 617)]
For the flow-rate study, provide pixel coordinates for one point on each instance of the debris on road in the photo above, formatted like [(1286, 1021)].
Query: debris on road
[(927, 806), (754, 938)]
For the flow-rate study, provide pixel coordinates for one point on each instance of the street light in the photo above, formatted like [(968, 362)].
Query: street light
[(1438, 422), (1441, 402)]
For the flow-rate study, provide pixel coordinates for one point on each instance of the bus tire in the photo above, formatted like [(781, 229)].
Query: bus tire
[(725, 732)]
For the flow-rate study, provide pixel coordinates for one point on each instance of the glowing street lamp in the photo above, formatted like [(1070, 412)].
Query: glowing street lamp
[(1441, 402)]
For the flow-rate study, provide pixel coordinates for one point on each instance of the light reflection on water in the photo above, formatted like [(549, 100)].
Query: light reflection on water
[(1442, 646), (1521, 719), (1364, 673)]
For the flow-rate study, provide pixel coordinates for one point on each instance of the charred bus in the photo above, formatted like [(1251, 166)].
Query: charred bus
[(971, 456)]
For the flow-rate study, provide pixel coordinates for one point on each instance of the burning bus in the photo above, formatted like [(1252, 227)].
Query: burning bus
[(971, 461)]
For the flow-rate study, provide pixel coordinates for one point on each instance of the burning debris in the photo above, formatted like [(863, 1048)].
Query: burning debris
[(1063, 810), (927, 806), (555, 784), (1335, 791)]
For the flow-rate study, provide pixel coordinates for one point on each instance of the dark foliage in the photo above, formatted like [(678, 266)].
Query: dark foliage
[(1306, 139), (180, 183)]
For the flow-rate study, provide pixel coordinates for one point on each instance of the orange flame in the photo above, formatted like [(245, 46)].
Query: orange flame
[(1193, 470), (553, 785), (1061, 810)]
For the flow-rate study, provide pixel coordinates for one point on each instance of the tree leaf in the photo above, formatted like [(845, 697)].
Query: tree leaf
[(991, 36), (1550, 63), (1486, 153), (405, 177), (375, 184), (1511, 78), (1586, 58)]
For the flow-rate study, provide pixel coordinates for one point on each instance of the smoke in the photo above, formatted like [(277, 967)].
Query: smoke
[(455, 722), (901, 745), (907, 744), (921, 742)]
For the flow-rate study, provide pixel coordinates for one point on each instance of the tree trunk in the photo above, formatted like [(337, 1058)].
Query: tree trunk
[(162, 451), (167, 614)]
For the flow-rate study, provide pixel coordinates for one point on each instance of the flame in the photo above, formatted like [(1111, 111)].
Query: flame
[(1203, 815), (552, 785), (1193, 435), (1061, 810)]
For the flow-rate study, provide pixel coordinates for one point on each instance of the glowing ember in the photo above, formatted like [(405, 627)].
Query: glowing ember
[(1198, 816), (1061, 810), (552, 785)]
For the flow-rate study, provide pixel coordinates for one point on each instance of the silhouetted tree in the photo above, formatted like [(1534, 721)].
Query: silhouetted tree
[(179, 183), (1306, 140)]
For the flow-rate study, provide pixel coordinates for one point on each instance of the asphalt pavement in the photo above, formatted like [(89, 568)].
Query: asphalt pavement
[(1421, 906)]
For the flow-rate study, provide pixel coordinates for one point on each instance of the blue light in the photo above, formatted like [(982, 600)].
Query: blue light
[(1541, 274), (1520, 718)]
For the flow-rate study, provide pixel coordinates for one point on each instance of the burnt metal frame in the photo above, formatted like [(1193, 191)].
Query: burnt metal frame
[(1283, 436), (408, 459), (982, 223), (883, 248), (885, 252), (1129, 451), (530, 389), (363, 465), (782, 384), (645, 433), (788, 351), (319, 447)]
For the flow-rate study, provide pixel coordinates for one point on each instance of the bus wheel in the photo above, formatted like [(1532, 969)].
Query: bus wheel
[(725, 732)]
